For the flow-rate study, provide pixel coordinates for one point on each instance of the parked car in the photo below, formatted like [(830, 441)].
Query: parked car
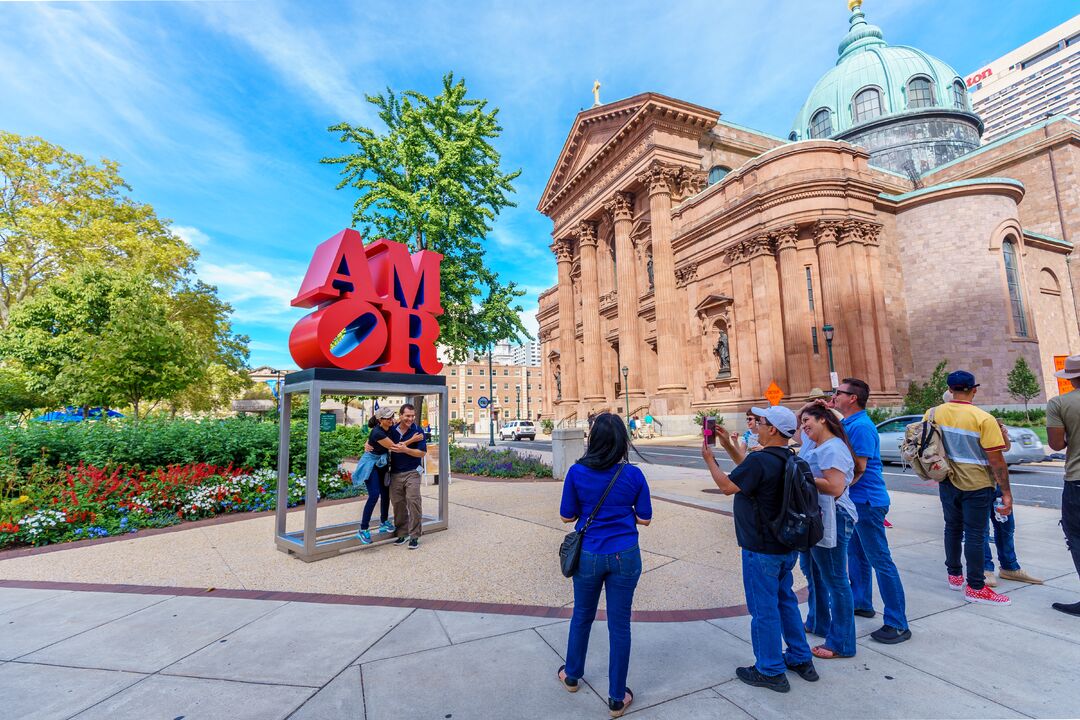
[(518, 430), (1026, 445)]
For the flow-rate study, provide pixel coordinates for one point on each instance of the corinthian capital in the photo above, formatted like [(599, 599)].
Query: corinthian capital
[(851, 231), (786, 237), (826, 231), (586, 233), (620, 206), (562, 250), (692, 181), (659, 178)]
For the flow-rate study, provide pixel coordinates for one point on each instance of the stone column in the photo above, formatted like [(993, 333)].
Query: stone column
[(593, 382), (880, 315), (567, 324), (621, 207), (825, 237), (768, 322), (867, 299), (851, 304), (797, 318), (670, 328)]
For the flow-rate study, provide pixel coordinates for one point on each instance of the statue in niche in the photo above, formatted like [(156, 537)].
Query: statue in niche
[(722, 351), (558, 384), (649, 270)]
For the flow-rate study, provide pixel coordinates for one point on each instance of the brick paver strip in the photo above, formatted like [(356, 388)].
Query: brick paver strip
[(419, 603)]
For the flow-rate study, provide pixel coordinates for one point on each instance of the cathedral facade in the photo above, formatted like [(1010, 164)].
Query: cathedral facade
[(699, 261)]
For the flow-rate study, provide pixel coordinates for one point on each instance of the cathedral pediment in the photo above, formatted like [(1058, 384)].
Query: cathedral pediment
[(597, 130)]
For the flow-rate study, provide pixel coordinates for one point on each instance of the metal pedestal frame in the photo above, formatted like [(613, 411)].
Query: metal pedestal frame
[(315, 543)]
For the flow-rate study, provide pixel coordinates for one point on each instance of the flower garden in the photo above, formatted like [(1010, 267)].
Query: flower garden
[(60, 483)]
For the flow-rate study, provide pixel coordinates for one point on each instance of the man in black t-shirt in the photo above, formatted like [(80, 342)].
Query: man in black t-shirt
[(758, 486), (405, 459)]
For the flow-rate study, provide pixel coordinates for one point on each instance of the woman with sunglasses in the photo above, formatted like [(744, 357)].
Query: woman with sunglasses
[(749, 440)]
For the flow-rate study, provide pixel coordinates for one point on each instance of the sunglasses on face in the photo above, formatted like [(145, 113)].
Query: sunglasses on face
[(845, 392)]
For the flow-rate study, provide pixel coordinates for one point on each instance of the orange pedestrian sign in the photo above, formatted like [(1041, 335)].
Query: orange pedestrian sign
[(774, 394), (1064, 386)]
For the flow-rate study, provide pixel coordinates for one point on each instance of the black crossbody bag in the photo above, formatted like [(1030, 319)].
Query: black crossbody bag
[(570, 550)]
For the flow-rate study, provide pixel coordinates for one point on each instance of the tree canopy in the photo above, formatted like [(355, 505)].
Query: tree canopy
[(432, 181), (57, 212)]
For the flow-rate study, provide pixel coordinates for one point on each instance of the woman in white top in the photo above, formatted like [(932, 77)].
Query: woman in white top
[(832, 610)]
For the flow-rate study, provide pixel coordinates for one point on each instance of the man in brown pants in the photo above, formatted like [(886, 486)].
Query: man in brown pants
[(405, 460)]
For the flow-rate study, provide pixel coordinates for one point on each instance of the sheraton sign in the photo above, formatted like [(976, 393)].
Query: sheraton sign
[(376, 307)]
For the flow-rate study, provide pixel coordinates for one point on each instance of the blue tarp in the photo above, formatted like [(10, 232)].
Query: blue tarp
[(74, 414)]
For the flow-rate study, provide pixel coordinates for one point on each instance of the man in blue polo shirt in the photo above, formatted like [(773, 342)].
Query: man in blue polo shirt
[(869, 548), (405, 460)]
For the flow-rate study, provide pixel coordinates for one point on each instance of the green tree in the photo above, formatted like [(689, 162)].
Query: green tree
[(1022, 384), (433, 182), (58, 211), (922, 397), (140, 354), (15, 393)]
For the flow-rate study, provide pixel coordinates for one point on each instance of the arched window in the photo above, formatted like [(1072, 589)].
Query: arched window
[(920, 92), (1012, 278), (821, 124), (867, 105), (717, 173), (959, 95)]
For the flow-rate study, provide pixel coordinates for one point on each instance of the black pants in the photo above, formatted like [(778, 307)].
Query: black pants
[(1070, 520), (966, 516)]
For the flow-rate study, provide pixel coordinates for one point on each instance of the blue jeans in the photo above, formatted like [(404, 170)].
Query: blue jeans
[(617, 574), (1003, 539), (869, 548), (376, 494), (774, 612), (965, 530), (832, 609)]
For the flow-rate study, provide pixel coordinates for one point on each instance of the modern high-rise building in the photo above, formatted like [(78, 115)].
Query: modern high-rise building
[(1037, 80), (527, 353)]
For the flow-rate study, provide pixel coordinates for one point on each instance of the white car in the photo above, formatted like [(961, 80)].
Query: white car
[(1026, 445), (518, 430)]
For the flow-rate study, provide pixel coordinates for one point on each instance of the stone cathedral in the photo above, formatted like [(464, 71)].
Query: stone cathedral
[(700, 261)]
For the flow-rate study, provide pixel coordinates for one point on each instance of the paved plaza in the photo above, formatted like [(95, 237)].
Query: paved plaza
[(473, 625)]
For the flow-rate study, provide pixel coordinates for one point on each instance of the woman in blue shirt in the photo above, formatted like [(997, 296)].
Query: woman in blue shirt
[(610, 557)]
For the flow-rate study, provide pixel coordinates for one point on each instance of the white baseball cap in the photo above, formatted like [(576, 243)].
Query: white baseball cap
[(780, 417)]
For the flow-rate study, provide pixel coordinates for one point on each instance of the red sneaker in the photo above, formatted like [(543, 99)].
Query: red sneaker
[(986, 595), (886, 523), (956, 582)]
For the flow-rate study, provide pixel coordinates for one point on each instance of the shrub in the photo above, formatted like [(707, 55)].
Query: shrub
[(1032, 418), (717, 413), (922, 397), (547, 425), (473, 460), (880, 414), (159, 442)]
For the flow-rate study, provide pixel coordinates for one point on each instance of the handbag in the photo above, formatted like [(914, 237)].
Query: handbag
[(570, 550)]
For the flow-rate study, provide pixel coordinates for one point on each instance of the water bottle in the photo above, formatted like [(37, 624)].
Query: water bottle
[(999, 503)]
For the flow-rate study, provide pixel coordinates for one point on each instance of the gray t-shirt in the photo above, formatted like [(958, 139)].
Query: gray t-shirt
[(1063, 411), (832, 454)]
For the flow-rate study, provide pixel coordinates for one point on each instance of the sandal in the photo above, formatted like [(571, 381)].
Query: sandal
[(570, 685), (826, 654), (618, 707)]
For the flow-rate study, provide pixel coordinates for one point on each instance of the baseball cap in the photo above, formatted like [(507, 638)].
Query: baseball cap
[(780, 417), (961, 380)]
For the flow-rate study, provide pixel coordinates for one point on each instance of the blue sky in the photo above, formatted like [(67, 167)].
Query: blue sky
[(217, 111)]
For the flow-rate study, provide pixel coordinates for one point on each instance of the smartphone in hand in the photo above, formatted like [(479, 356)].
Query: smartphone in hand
[(708, 429)]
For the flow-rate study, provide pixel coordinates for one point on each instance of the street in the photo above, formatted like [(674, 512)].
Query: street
[(1038, 485)]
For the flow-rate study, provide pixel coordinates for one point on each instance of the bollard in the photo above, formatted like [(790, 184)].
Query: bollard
[(567, 445)]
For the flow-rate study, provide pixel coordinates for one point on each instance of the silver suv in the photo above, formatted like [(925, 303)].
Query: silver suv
[(518, 430)]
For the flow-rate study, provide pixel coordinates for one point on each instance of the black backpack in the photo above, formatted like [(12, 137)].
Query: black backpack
[(799, 525)]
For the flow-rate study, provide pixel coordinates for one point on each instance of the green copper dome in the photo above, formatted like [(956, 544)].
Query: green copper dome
[(872, 80)]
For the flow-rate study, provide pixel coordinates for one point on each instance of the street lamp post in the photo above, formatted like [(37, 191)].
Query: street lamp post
[(491, 400), (518, 402), (827, 331), (626, 392)]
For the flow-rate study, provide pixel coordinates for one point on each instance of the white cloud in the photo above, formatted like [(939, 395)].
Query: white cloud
[(193, 236), (258, 296), (528, 319)]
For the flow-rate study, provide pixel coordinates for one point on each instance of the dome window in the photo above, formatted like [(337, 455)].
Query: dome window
[(959, 95), (920, 92), (867, 105), (821, 124), (717, 173)]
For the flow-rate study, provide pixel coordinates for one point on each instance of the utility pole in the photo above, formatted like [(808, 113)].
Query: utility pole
[(491, 400)]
